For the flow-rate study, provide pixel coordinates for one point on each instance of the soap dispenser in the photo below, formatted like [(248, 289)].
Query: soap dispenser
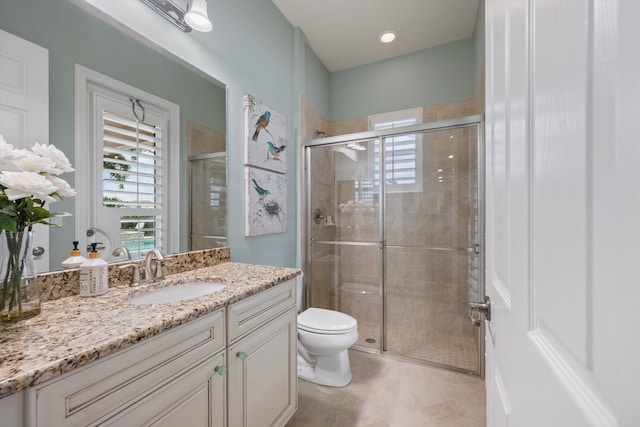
[(94, 278), (75, 260)]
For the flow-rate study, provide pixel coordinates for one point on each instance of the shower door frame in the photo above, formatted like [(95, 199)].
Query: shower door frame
[(190, 191), (380, 136)]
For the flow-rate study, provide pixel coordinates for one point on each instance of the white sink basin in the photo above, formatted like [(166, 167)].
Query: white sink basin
[(176, 293)]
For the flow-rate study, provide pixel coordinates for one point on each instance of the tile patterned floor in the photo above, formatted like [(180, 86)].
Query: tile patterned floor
[(390, 392), (448, 350), (459, 352)]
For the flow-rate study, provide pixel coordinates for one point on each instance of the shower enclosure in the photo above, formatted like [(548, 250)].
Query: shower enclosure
[(208, 189), (395, 237)]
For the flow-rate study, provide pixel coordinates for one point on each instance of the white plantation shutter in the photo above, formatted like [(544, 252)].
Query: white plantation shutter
[(403, 153), (132, 180)]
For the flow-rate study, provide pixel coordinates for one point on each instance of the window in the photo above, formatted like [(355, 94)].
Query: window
[(403, 153), (131, 187), (132, 176)]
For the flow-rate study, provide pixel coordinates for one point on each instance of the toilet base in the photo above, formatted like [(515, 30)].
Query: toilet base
[(332, 371)]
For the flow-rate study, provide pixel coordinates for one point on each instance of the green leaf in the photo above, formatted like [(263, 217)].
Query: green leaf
[(8, 223)]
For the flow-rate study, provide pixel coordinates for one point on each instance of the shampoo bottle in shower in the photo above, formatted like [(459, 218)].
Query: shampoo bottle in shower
[(94, 278)]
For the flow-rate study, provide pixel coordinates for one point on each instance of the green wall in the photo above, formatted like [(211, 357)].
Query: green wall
[(253, 50), (432, 76), (317, 87)]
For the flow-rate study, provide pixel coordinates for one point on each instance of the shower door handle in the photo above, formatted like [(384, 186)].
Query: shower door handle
[(482, 307)]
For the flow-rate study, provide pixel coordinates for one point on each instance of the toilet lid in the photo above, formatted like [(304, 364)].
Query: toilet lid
[(324, 321)]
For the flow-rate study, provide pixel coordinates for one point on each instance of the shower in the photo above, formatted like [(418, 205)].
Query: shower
[(402, 252)]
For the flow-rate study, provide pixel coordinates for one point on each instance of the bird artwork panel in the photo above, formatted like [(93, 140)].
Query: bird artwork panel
[(265, 136), (266, 199)]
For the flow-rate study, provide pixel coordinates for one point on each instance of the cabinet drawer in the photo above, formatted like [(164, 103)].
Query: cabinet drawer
[(250, 313), (105, 387)]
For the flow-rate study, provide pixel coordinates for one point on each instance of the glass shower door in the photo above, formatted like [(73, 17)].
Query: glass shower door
[(430, 233), (208, 201), (345, 238)]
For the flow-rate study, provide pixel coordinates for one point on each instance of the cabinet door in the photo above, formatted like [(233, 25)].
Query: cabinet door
[(106, 388), (195, 399), (262, 387)]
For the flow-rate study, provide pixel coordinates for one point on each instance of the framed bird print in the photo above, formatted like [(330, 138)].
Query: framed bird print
[(265, 136), (266, 198)]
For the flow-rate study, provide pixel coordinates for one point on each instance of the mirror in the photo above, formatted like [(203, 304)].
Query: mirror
[(73, 35)]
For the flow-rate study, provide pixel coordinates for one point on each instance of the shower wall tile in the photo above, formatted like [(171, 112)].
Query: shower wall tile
[(311, 121), (201, 139), (343, 127)]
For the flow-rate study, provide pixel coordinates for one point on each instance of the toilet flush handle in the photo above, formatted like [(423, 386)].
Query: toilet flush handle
[(242, 355)]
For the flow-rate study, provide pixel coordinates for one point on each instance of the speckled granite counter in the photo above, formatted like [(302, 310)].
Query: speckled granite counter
[(73, 331)]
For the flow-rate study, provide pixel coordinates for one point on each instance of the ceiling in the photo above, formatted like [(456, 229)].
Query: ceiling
[(344, 33)]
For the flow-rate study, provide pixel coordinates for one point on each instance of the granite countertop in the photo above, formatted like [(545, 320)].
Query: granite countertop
[(73, 331)]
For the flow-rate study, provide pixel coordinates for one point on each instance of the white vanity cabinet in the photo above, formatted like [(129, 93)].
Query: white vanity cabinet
[(171, 379), (12, 410), (233, 367), (262, 349)]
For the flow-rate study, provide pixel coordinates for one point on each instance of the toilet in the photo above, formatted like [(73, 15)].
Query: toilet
[(324, 336)]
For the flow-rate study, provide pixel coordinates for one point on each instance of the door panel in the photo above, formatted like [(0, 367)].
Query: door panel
[(431, 230), (24, 108), (346, 254), (558, 213)]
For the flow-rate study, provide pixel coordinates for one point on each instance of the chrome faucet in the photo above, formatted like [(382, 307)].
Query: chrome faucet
[(153, 263), (135, 278), (120, 251)]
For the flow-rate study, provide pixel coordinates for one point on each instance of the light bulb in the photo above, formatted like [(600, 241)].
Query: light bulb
[(196, 16)]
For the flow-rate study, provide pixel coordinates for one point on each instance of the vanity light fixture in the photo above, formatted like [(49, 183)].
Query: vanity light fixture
[(387, 36), (197, 17), (169, 11)]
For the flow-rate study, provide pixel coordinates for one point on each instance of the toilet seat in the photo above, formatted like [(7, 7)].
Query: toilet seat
[(328, 322)]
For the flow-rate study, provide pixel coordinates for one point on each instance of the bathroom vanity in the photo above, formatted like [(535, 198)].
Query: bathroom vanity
[(225, 359)]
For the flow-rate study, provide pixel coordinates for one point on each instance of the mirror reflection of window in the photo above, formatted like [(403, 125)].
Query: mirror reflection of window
[(131, 159), (131, 177), (403, 171)]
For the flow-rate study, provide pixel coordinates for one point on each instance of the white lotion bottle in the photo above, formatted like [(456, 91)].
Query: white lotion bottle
[(75, 260), (94, 279)]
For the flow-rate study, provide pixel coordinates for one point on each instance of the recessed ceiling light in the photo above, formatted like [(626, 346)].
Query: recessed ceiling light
[(387, 36)]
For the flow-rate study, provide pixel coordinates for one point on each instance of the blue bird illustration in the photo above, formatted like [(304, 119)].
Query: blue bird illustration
[(275, 150), (262, 192), (262, 123)]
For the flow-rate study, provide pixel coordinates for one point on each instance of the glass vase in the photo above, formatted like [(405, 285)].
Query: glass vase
[(20, 297)]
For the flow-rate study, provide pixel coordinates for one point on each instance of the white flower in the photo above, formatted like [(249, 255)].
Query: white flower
[(51, 152), (7, 156), (30, 162), (27, 184), (63, 189)]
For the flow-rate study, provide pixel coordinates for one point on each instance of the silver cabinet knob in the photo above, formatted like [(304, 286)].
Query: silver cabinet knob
[(38, 251)]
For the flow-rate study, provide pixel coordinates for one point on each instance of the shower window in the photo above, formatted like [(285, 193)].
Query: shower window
[(403, 172)]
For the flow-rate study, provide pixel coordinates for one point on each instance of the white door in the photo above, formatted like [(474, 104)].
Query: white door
[(24, 107), (563, 212)]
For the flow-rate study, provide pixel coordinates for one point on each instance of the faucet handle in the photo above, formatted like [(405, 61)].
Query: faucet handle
[(159, 274), (135, 279)]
